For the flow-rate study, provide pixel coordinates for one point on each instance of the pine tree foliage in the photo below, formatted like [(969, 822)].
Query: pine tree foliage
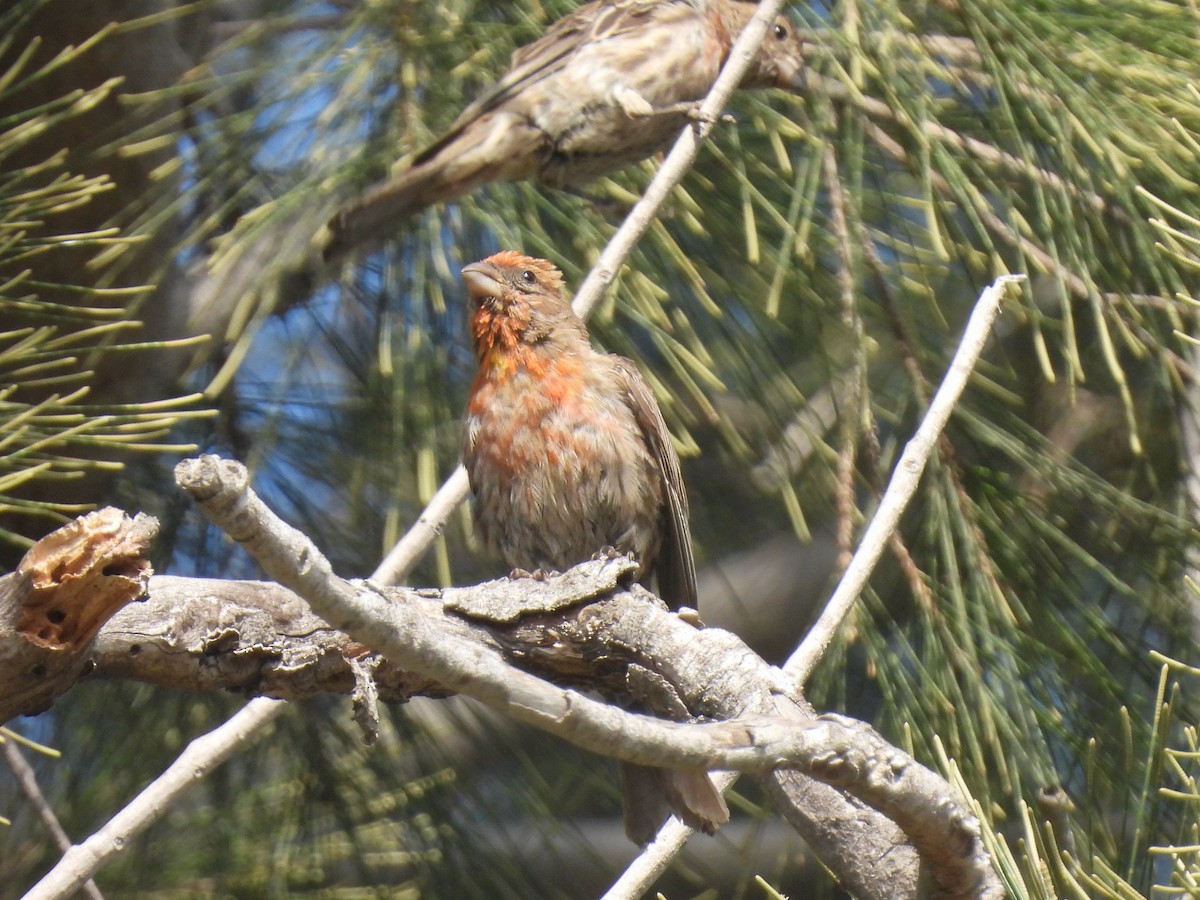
[(51, 430), (793, 308)]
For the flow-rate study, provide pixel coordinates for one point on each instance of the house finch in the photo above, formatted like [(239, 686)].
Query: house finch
[(567, 454), (610, 84)]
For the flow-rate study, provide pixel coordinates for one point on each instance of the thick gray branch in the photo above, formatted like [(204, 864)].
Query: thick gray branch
[(771, 730), (253, 637)]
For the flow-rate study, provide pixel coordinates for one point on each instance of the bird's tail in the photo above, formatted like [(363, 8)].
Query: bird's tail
[(649, 794), (493, 147)]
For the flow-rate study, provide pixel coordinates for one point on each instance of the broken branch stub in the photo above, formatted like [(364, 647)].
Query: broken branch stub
[(81, 574), (67, 587)]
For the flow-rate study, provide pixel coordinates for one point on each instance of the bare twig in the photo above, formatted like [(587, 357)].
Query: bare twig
[(903, 484), (908, 566), (27, 779), (678, 161), (410, 548), (200, 757)]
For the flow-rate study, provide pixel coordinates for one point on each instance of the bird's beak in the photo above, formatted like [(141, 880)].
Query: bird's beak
[(794, 80), (482, 280), (791, 74)]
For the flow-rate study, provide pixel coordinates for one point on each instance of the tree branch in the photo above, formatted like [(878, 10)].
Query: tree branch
[(199, 758), (64, 589), (251, 637), (903, 485), (26, 778), (571, 628), (716, 674)]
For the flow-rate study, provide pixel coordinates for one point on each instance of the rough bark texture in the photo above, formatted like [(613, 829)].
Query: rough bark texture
[(251, 637)]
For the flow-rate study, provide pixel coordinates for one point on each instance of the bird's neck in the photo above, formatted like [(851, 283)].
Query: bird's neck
[(499, 334), (499, 363), (508, 341), (508, 347)]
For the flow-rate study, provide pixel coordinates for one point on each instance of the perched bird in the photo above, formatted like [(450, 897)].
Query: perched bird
[(610, 84), (568, 454)]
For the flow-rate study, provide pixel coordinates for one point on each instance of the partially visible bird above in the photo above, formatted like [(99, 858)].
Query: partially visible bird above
[(608, 85), (568, 454)]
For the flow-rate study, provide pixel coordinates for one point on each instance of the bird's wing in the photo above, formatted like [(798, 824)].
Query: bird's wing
[(675, 567), (599, 20)]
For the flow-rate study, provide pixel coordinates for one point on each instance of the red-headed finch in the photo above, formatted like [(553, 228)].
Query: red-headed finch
[(568, 454)]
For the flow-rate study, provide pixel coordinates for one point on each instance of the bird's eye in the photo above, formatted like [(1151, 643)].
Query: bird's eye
[(780, 32), (528, 277)]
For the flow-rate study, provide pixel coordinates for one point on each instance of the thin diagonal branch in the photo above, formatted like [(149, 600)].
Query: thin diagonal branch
[(902, 486), (197, 760), (27, 779), (646, 868), (429, 525)]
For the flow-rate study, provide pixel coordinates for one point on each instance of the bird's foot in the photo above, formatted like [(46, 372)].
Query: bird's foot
[(700, 118), (607, 552), (633, 104), (636, 106), (538, 574)]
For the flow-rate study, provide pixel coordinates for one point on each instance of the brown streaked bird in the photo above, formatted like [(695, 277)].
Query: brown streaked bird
[(568, 454), (608, 85)]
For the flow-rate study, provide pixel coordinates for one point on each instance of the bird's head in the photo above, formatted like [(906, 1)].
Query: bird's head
[(780, 62), (517, 300)]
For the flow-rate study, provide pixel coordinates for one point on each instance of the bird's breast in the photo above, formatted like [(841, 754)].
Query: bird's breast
[(558, 451)]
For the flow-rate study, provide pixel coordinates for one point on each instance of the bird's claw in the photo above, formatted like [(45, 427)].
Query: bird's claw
[(701, 118), (690, 615), (538, 574), (636, 106), (607, 552)]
